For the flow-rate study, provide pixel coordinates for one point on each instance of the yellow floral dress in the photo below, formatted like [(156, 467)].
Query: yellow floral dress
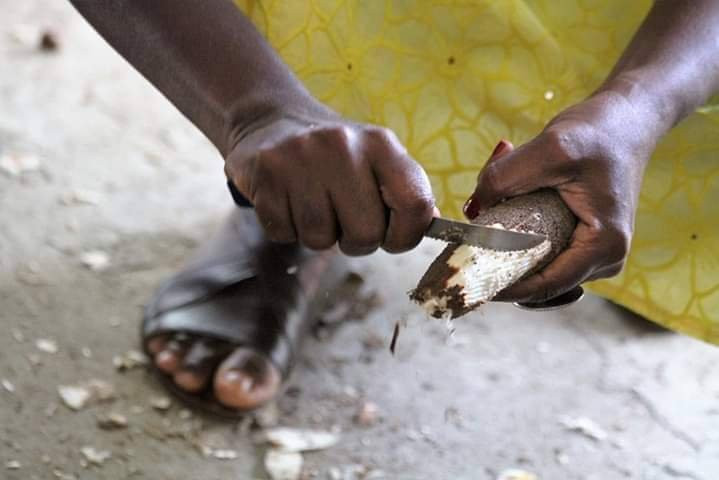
[(452, 78)]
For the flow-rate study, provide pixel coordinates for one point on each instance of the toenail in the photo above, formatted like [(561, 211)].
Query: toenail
[(165, 357), (246, 384)]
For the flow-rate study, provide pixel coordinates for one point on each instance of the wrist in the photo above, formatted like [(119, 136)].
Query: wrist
[(654, 104), (260, 109)]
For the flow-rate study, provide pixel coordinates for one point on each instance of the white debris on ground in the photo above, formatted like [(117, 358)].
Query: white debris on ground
[(586, 426), (13, 465), (95, 456), (129, 360), (17, 335), (282, 465), (562, 458), (77, 397), (284, 460), (267, 416), (161, 403), (367, 414), (218, 453), (46, 345), (15, 164), (298, 440), (7, 385), (516, 474), (95, 260), (101, 390), (74, 397), (112, 421), (355, 472), (81, 197)]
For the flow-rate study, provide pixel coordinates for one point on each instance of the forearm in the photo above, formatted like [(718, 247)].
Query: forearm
[(671, 66), (205, 56)]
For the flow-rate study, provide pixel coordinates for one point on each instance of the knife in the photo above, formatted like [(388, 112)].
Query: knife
[(481, 236), (454, 232)]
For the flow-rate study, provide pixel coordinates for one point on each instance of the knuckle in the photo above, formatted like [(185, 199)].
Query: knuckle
[(317, 240), (337, 136), (417, 207), (315, 230), (402, 245), (364, 241), (616, 245), (490, 178), (614, 270), (381, 135), (263, 166), (567, 148), (273, 221)]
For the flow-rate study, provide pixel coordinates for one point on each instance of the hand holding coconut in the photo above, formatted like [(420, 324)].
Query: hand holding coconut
[(593, 155)]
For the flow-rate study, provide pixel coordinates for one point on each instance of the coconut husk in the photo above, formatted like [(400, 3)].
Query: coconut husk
[(463, 277)]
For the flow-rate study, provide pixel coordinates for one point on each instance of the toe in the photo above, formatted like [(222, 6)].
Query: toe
[(246, 380), (170, 358), (198, 364), (157, 344)]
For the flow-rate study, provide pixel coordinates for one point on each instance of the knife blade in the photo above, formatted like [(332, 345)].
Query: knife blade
[(481, 236)]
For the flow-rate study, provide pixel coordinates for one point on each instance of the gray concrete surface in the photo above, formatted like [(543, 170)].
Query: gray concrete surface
[(488, 399)]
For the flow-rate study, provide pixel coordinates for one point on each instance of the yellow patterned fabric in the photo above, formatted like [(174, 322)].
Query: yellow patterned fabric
[(452, 78)]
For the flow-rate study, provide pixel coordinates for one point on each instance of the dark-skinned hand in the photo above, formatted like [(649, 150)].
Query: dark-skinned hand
[(594, 155), (320, 181)]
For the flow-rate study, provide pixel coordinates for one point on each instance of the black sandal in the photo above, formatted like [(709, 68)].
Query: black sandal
[(256, 294)]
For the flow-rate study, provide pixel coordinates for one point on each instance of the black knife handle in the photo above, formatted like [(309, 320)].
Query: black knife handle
[(239, 199)]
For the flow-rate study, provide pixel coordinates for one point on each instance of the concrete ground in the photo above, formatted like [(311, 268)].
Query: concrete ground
[(588, 393)]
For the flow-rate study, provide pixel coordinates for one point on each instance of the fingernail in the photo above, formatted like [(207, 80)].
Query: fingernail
[(471, 208), (501, 148)]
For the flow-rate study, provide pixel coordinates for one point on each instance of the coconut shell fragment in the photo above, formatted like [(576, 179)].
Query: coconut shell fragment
[(463, 277)]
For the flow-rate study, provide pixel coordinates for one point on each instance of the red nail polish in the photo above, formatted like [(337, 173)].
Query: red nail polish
[(501, 147), (471, 208)]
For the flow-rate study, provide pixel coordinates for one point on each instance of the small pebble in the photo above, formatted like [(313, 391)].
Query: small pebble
[(129, 360), (367, 415), (161, 403), (224, 454), (585, 426), (7, 385), (17, 164), (94, 456), (74, 397), (101, 390), (46, 345), (112, 421), (13, 465), (48, 41), (516, 474), (34, 359), (17, 335), (81, 197), (95, 260), (281, 465), (299, 440), (413, 435), (267, 416)]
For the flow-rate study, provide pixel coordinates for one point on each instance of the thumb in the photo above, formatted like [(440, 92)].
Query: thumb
[(508, 173)]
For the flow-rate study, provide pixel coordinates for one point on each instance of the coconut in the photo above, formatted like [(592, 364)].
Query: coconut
[(463, 277)]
